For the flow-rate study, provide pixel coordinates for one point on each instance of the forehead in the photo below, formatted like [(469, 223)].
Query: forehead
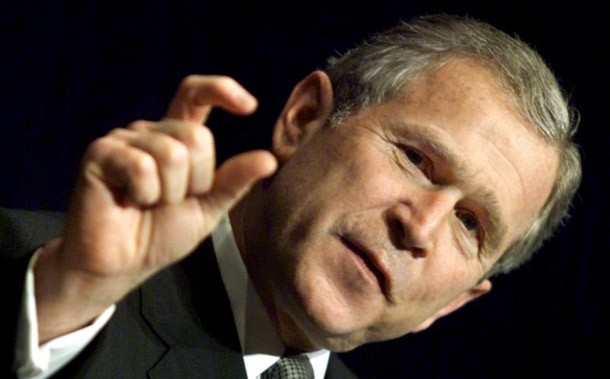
[(478, 142)]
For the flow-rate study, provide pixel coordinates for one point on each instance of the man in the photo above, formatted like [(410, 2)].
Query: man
[(402, 178)]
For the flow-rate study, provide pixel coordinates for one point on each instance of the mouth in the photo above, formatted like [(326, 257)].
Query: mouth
[(372, 262)]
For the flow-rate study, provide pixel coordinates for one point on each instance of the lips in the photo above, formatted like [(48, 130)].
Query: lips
[(372, 261)]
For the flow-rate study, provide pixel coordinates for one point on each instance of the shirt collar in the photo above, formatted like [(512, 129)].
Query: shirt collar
[(259, 340)]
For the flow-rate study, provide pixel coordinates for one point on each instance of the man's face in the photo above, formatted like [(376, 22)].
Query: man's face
[(374, 226)]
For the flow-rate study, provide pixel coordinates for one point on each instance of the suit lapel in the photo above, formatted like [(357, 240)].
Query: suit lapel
[(337, 369), (188, 308), (191, 333)]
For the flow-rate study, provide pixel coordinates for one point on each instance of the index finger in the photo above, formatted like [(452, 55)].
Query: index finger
[(197, 94)]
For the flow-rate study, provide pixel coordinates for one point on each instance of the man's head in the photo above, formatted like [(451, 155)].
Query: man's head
[(390, 209), (389, 62)]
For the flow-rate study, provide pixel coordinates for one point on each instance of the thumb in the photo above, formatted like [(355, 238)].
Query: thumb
[(235, 177)]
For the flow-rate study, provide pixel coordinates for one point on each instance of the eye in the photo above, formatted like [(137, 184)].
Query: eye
[(416, 158), (469, 221)]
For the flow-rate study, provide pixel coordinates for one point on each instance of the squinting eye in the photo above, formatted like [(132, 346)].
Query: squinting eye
[(419, 160), (470, 222), (415, 157)]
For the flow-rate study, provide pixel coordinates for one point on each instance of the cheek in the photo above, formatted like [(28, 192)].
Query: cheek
[(438, 283)]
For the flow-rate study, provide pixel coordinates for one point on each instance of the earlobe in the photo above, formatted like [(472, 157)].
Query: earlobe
[(306, 110), (457, 303)]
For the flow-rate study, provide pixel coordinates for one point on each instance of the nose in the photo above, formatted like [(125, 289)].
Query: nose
[(417, 223)]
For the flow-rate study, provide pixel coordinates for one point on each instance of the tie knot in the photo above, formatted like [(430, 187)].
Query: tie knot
[(290, 367)]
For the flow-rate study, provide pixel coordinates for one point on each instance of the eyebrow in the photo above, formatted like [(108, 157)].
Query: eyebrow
[(430, 141)]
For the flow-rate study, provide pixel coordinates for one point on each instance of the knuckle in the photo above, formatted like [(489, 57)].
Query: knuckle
[(190, 81), (174, 154), (116, 133), (225, 82), (142, 166), (197, 136), (139, 125), (98, 148)]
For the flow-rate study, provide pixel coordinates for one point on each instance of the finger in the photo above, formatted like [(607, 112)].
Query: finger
[(130, 174), (234, 179), (197, 94), (200, 143), (171, 158)]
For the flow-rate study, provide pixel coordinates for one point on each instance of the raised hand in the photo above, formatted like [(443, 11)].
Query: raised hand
[(146, 196)]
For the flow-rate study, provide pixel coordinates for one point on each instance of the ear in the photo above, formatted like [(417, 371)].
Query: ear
[(306, 110), (457, 303)]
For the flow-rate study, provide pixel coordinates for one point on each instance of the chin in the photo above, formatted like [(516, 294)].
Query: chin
[(342, 330), (343, 344), (331, 326), (349, 341)]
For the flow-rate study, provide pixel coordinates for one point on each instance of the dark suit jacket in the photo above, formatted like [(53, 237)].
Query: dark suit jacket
[(178, 324)]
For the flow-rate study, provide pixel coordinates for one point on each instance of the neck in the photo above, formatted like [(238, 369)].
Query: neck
[(247, 221)]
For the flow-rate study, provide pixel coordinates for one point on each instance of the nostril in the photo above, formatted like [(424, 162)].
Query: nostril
[(398, 229), (402, 239), (417, 252), (397, 234)]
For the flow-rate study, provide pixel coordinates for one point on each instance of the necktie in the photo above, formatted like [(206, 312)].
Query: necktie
[(290, 367)]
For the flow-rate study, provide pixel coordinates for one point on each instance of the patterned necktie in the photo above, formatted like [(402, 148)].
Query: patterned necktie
[(290, 367)]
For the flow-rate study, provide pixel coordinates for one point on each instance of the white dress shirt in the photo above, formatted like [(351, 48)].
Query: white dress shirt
[(259, 340)]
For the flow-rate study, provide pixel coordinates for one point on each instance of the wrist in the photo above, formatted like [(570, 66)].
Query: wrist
[(67, 299)]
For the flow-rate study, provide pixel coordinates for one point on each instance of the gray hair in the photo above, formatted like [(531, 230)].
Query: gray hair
[(387, 63)]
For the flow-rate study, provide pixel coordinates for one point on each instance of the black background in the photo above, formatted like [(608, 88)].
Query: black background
[(71, 71)]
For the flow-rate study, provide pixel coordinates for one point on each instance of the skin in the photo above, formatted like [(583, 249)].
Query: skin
[(146, 196), (365, 232), (377, 227)]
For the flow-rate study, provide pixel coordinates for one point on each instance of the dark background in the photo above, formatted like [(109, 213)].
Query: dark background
[(71, 71)]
